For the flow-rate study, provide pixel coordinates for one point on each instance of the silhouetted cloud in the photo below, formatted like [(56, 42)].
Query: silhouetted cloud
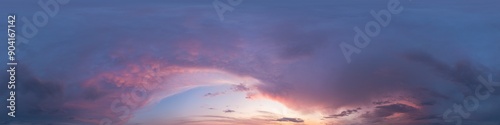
[(344, 113), (240, 88), (286, 119), (381, 102), (388, 110), (229, 111), (213, 94)]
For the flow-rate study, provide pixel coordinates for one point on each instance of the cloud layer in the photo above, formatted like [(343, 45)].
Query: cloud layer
[(91, 54)]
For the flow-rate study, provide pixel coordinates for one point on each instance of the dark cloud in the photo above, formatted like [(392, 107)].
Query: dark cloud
[(240, 88), (213, 94), (428, 103), (229, 111), (295, 42), (388, 110), (93, 93), (381, 102), (344, 113), (286, 119), (40, 101), (430, 117)]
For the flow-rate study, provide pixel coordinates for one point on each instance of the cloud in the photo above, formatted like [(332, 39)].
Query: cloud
[(286, 119), (388, 110), (229, 111), (380, 102), (344, 113), (240, 88), (210, 94), (75, 73)]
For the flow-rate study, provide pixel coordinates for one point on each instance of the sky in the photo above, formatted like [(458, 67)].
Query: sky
[(293, 62)]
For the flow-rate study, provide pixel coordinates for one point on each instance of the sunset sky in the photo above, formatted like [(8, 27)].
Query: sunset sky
[(176, 62)]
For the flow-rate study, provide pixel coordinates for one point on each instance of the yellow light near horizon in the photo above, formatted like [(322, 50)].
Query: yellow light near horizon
[(280, 110)]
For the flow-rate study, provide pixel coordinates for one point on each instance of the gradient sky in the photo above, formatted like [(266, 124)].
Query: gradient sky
[(166, 62)]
